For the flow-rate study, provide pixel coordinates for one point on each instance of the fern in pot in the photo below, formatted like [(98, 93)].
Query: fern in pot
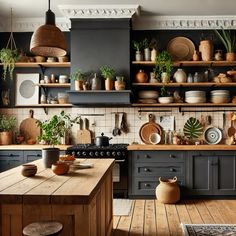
[(52, 132), (7, 124)]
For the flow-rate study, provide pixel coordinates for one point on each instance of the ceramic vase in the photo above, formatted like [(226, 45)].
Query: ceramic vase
[(153, 54), (50, 156), (180, 76), (165, 77), (168, 191), (96, 83), (138, 56), (141, 77), (119, 85), (206, 48), (147, 54)]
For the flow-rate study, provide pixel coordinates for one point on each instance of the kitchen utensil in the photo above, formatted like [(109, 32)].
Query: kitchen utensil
[(29, 128), (231, 129), (124, 125), (116, 130), (148, 128), (83, 134), (181, 48), (155, 138), (212, 135), (102, 140)]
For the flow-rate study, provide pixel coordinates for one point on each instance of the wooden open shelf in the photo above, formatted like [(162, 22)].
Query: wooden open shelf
[(54, 85), (183, 105), (44, 64), (190, 63), (203, 84), (47, 105)]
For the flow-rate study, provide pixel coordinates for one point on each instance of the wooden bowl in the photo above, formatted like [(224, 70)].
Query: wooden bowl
[(29, 170), (60, 168)]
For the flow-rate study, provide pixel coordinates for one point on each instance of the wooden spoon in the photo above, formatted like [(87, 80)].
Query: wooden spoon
[(231, 130)]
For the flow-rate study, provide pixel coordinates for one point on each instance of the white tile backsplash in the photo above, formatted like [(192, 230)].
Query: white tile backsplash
[(105, 123)]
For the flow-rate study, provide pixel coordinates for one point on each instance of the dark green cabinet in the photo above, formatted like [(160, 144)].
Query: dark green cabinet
[(146, 167), (211, 173), (32, 155), (10, 159)]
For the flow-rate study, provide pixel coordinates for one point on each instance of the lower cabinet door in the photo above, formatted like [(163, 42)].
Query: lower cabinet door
[(32, 155), (10, 159), (199, 174), (224, 174)]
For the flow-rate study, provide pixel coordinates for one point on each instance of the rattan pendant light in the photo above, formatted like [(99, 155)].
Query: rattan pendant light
[(48, 40)]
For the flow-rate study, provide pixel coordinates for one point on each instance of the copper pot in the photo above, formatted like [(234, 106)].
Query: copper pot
[(141, 77)]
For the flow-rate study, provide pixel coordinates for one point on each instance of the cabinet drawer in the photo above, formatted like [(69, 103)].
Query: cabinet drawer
[(158, 156), (147, 186), (11, 155), (158, 169), (32, 155)]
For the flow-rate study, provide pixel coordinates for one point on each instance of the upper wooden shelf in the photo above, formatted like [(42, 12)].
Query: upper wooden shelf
[(184, 104), (203, 84), (47, 105), (44, 64), (190, 63), (54, 85)]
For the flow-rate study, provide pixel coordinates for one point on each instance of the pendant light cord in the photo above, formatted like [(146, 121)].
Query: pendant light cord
[(11, 40), (49, 5)]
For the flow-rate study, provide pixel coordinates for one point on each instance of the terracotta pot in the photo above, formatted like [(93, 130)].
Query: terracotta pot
[(5, 138), (60, 168), (109, 84), (230, 56), (78, 85), (141, 77), (29, 170), (168, 191)]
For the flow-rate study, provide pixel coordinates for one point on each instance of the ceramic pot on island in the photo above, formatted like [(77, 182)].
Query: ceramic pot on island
[(50, 156)]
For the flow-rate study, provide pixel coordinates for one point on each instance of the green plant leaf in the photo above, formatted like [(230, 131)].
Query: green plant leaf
[(193, 128)]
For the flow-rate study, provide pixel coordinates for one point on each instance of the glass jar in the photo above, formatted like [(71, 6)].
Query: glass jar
[(63, 98)]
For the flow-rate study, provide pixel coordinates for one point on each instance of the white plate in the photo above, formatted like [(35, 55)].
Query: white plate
[(212, 135), (155, 138)]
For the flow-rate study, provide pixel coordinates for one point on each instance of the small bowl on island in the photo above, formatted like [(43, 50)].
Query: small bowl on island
[(60, 168)]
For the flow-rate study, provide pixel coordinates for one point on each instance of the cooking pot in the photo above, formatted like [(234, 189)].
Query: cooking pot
[(102, 140)]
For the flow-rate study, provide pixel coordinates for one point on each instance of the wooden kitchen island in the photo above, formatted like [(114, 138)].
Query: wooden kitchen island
[(81, 200)]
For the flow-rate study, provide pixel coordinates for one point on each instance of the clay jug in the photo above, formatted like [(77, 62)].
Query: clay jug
[(180, 76), (141, 77), (196, 56), (168, 191), (206, 49)]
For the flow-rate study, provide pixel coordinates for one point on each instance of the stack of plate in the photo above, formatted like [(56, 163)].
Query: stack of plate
[(195, 96), (149, 96), (220, 96)]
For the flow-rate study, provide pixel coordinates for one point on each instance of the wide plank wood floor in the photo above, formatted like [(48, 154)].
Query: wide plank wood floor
[(149, 217)]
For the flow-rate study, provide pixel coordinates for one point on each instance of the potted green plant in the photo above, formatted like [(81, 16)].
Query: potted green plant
[(108, 73), (165, 96), (163, 66), (229, 40), (147, 51), (8, 57), (138, 46), (78, 77), (7, 123), (52, 132)]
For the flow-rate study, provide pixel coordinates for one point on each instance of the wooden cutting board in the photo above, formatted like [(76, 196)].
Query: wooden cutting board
[(83, 134), (148, 128), (29, 128)]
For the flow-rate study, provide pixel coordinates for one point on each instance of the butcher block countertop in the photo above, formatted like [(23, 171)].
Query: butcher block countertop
[(81, 200), (31, 147), (159, 147), (75, 187)]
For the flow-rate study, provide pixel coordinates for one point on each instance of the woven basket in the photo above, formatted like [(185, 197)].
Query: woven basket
[(48, 41)]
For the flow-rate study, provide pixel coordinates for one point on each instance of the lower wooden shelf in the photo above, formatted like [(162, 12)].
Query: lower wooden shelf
[(183, 105), (47, 105)]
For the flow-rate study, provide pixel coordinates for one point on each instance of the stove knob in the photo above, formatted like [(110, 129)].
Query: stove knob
[(97, 154), (84, 154), (123, 154), (79, 154), (108, 153), (119, 154), (102, 154), (73, 153), (91, 154), (113, 154)]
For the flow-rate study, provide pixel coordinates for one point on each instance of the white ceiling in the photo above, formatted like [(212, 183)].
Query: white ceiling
[(33, 9)]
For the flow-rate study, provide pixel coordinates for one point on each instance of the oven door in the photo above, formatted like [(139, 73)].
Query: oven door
[(120, 178)]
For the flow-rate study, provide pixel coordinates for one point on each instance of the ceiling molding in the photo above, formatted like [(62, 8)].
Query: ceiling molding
[(31, 24), (183, 22), (99, 11)]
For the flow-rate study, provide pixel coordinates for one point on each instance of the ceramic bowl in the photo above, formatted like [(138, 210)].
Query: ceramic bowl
[(165, 100), (148, 94), (60, 168), (29, 170), (212, 135), (155, 138)]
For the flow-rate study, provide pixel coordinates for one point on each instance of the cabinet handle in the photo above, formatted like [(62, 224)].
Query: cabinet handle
[(146, 169), (172, 170), (38, 155), (147, 156), (147, 185), (172, 156)]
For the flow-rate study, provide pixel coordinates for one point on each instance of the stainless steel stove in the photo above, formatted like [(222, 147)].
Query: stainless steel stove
[(117, 151)]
